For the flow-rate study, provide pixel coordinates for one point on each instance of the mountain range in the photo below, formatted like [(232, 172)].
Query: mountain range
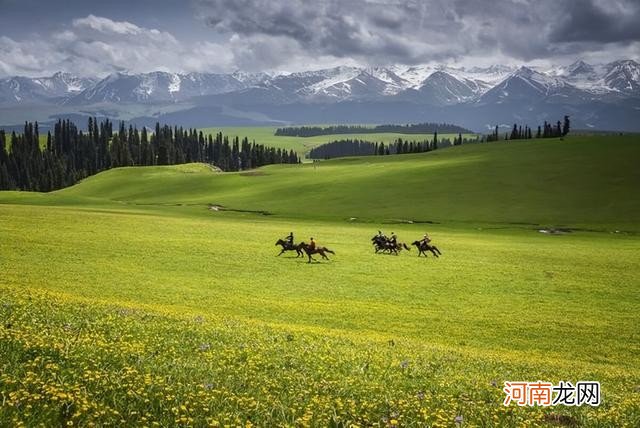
[(603, 96)]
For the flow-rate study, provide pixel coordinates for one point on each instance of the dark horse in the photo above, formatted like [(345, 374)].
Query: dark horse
[(288, 247), (382, 244), (395, 248), (318, 250), (424, 247), (379, 242)]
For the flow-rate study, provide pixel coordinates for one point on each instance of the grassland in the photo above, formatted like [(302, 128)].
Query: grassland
[(125, 300), (302, 145), (573, 183)]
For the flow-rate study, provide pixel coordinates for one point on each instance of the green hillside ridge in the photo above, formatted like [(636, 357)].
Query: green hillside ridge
[(581, 181)]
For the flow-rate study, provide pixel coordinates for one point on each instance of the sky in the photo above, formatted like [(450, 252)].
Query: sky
[(95, 38)]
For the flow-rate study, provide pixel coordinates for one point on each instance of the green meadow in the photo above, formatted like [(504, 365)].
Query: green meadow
[(127, 300)]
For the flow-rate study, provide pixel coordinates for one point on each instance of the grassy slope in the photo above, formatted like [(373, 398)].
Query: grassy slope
[(302, 145), (576, 182), (177, 260), (502, 304)]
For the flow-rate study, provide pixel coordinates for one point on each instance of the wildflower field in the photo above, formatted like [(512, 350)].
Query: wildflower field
[(127, 301)]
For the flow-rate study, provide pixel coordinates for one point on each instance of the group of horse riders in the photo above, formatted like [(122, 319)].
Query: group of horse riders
[(311, 248), (289, 240), (380, 242), (390, 244)]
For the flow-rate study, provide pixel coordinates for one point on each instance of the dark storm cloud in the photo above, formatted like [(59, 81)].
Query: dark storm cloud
[(420, 31), (359, 29), (594, 22), (95, 37)]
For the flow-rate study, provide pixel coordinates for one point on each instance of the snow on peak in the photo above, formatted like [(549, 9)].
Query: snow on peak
[(174, 85), (416, 75)]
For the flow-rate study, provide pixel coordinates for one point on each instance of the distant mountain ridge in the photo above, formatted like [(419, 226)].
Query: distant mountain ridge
[(590, 92)]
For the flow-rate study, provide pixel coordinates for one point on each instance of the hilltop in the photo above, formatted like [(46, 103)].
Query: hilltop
[(579, 182)]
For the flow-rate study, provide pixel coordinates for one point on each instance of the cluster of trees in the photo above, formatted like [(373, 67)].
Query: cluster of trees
[(423, 128), (560, 129), (70, 155), (355, 147), (420, 128)]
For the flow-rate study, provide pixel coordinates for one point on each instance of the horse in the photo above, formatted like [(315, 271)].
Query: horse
[(383, 244), (424, 247), (286, 246), (379, 243), (317, 250), (395, 248)]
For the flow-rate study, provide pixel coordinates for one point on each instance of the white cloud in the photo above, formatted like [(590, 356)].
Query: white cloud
[(96, 46)]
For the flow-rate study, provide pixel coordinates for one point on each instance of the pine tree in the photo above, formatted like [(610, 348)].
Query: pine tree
[(566, 126), (514, 132)]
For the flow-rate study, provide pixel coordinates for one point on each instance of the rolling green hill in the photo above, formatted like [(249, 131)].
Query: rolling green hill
[(581, 182)]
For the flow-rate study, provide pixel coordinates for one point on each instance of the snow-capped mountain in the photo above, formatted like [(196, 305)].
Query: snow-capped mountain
[(250, 79), (603, 95), (24, 89), (623, 76), (434, 85), (156, 87), (442, 88), (344, 83), (526, 85)]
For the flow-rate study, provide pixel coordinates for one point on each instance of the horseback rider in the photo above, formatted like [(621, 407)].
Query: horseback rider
[(312, 244), (393, 239), (425, 240), (289, 238)]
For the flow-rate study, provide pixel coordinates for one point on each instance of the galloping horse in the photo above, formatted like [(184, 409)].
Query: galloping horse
[(382, 244), (424, 247), (317, 250), (288, 247), (379, 243)]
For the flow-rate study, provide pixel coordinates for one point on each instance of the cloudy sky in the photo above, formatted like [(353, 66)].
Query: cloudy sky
[(94, 38)]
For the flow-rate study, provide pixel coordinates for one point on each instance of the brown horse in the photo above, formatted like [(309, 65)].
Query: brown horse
[(318, 250), (288, 247), (424, 247)]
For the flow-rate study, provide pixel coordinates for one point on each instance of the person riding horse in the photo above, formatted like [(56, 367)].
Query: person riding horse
[(424, 245), (289, 238), (311, 249), (385, 244), (288, 245)]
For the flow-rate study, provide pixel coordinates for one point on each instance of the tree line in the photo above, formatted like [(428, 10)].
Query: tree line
[(357, 147), (420, 128), (547, 130), (70, 155)]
